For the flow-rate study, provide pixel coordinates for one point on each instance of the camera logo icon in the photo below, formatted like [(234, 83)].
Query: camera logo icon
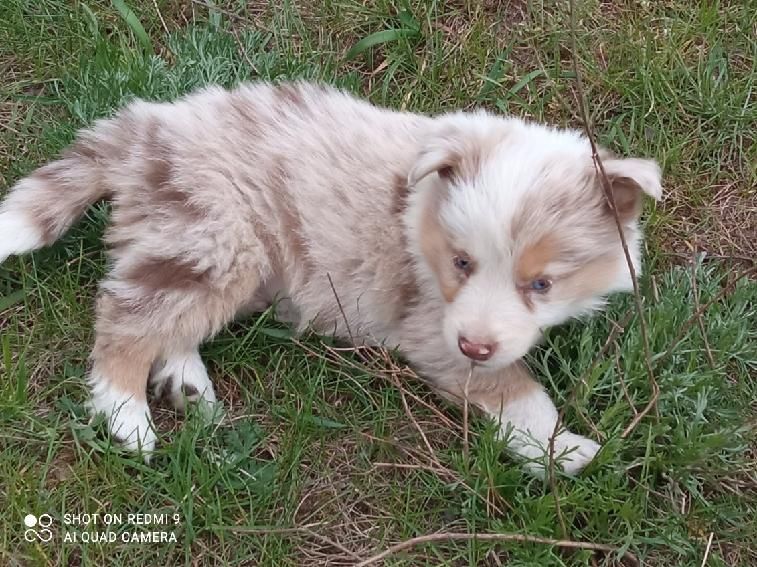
[(37, 528)]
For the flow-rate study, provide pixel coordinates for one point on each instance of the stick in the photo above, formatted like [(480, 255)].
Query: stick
[(451, 536), (440, 471), (607, 188), (707, 549), (237, 17), (698, 313), (341, 309), (466, 445), (406, 406), (695, 290), (160, 16), (681, 334), (305, 530)]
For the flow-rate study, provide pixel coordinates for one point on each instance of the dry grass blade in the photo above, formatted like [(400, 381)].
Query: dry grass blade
[(700, 322), (728, 288), (419, 429), (681, 334), (521, 538), (160, 17), (341, 309), (296, 530), (227, 13), (707, 549), (466, 444), (268, 530), (243, 51), (439, 469), (386, 371)]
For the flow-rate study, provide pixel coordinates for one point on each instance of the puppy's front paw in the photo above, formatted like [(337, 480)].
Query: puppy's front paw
[(573, 452)]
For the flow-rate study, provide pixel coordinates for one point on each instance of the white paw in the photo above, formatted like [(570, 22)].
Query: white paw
[(183, 378), (128, 419), (573, 452), (528, 423)]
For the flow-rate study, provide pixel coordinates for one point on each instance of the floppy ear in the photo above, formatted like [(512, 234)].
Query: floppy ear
[(440, 157), (453, 153), (630, 179)]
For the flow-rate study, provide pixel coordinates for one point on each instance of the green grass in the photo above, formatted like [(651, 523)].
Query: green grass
[(297, 472)]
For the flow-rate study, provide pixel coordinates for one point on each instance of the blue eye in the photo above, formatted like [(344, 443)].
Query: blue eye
[(463, 264), (540, 285)]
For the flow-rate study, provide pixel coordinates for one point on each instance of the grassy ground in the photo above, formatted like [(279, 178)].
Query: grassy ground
[(320, 459)]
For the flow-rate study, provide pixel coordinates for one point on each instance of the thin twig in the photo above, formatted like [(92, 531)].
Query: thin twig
[(431, 452), (639, 416), (228, 13), (695, 292), (521, 538), (553, 482), (243, 51), (341, 309), (466, 444), (305, 530), (607, 188), (698, 313), (626, 393), (160, 17), (440, 471), (707, 549)]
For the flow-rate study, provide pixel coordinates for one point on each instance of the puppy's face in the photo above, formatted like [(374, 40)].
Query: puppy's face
[(513, 226)]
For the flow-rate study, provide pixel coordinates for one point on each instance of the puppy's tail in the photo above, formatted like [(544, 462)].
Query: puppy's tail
[(44, 205)]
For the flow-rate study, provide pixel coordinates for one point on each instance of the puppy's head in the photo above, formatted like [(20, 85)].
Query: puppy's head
[(509, 221)]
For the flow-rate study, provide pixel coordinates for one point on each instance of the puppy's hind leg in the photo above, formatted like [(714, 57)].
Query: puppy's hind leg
[(133, 339), (121, 361), (156, 320), (181, 377)]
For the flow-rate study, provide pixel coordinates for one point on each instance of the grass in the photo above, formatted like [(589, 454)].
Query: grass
[(318, 460)]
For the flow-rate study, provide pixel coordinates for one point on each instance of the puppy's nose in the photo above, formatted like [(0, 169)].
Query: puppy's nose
[(476, 351)]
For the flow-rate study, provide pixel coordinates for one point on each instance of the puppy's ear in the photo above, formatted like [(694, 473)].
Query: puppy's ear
[(436, 158), (630, 180), (452, 153)]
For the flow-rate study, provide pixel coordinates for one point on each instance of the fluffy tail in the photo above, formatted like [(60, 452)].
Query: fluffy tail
[(44, 205)]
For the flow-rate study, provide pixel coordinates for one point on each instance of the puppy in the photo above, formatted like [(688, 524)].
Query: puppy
[(456, 238)]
